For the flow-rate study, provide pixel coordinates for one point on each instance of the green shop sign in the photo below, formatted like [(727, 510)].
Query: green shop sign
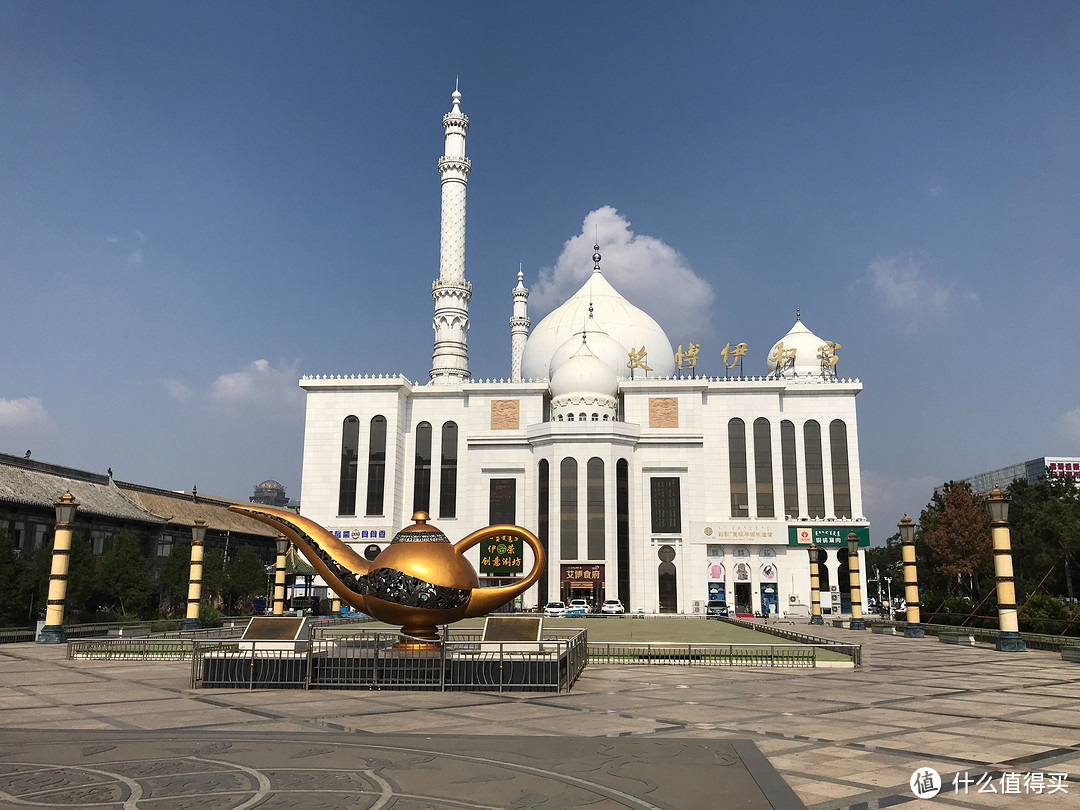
[(501, 556), (826, 535)]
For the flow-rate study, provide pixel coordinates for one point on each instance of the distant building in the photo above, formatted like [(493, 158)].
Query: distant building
[(29, 490), (1030, 471), (270, 493)]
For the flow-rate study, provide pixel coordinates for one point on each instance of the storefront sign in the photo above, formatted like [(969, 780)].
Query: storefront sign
[(741, 532), (826, 535), (501, 556), (577, 572)]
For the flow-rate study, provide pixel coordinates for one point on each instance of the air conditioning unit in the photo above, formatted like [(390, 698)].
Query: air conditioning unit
[(697, 606), (835, 589), (793, 599)]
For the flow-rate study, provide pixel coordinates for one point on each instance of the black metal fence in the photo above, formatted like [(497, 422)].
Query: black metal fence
[(853, 651), (703, 654), (384, 660)]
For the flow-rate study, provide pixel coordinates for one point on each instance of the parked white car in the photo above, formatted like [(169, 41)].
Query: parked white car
[(555, 610), (612, 607)]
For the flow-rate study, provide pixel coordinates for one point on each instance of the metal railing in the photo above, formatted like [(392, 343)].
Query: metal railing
[(385, 660), (702, 654), (852, 651), (130, 649), (986, 635)]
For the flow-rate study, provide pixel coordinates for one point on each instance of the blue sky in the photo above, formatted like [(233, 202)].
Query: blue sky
[(201, 201)]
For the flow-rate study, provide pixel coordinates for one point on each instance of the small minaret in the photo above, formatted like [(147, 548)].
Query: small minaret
[(450, 359), (519, 327)]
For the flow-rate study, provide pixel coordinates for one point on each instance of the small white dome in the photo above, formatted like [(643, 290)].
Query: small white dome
[(584, 373), (600, 343), (629, 327), (798, 353)]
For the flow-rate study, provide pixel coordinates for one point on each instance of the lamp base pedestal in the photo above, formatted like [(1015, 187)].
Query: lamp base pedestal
[(914, 631), (857, 624), (1010, 641), (52, 634), (191, 624)]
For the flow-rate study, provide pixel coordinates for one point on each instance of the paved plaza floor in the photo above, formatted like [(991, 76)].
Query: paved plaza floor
[(118, 734)]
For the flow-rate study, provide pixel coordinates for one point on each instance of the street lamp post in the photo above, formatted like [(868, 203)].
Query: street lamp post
[(857, 620), (888, 582), (815, 587), (279, 575), (53, 630), (194, 593), (914, 628), (1009, 639)]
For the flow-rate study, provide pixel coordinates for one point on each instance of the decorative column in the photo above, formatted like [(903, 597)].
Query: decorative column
[(519, 327), (194, 591), (857, 620), (815, 587), (279, 575), (914, 627), (53, 631), (451, 292), (1008, 629)]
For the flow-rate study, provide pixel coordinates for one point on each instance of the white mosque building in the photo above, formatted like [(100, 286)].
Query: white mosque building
[(652, 487)]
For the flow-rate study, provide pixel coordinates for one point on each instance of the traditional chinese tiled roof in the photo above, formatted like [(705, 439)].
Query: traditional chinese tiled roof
[(34, 483), (182, 508)]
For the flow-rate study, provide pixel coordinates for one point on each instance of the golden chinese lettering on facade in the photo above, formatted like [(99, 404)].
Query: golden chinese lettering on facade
[(689, 358), (663, 412), (638, 359), (828, 353), (505, 414), (781, 356), (732, 354)]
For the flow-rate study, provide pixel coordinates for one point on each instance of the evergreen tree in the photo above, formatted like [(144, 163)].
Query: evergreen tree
[(247, 576), (12, 589), (125, 576), (172, 578), (213, 575)]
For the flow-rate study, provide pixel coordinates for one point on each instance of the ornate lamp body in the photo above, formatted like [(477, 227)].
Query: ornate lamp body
[(420, 581)]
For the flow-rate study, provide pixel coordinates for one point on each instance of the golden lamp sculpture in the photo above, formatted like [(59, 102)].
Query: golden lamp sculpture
[(420, 581)]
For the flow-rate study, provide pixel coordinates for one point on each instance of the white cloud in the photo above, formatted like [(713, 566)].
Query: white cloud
[(260, 385), (135, 258), (902, 286), (649, 273), (176, 389), (23, 412)]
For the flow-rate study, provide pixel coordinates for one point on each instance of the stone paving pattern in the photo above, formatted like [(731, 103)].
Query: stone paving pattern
[(838, 737)]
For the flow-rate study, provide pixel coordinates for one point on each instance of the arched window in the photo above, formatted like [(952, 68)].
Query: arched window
[(543, 506), (581, 417), (622, 529), (763, 467), (376, 468), (596, 417), (448, 473), (790, 468), (568, 510), (815, 474), (840, 477), (350, 448), (605, 417), (569, 417), (594, 523), (422, 470), (740, 498)]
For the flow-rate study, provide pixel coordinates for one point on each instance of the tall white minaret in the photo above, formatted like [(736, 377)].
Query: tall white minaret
[(450, 360), (519, 327)]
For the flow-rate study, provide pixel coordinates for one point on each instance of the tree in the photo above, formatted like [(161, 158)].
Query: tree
[(125, 576), (12, 579), (886, 561), (1044, 520), (956, 530), (172, 577), (213, 575), (83, 592), (246, 575)]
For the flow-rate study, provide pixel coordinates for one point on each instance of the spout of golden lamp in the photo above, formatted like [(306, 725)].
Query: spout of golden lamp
[(487, 600), (311, 539)]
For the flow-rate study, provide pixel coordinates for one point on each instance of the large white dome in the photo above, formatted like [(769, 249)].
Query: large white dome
[(628, 326)]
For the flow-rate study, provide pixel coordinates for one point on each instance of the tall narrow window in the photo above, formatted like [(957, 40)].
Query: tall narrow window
[(568, 513), (763, 467), (543, 505), (815, 480), (790, 468), (502, 501), (422, 469), (350, 447), (666, 505), (376, 468), (448, 474), (622, 528), (740, 497), (594, 524), (840, 478)]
